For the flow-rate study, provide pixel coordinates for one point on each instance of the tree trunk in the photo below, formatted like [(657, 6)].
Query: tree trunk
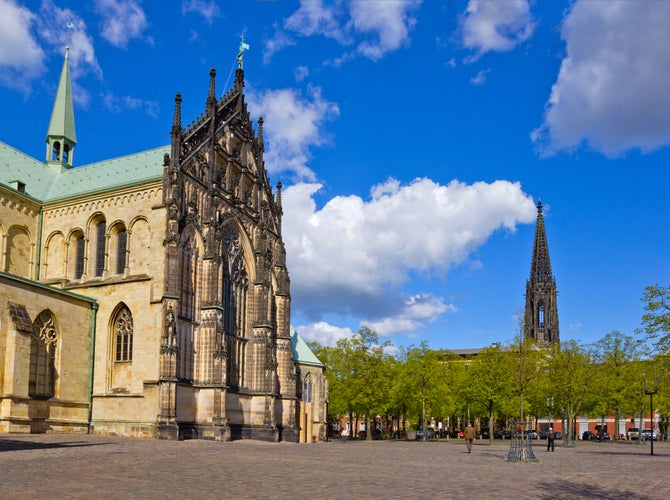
[(491, 430)]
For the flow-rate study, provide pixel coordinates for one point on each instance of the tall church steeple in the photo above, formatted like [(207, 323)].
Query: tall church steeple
[(541, 315), (61, 137)]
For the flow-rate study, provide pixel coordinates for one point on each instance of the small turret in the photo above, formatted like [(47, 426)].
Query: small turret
[(211, 96), (260, 133), (61, 137), (280, 210)]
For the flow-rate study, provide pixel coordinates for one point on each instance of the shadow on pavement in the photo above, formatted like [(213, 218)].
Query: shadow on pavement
[(557, 489), (642, 452), (17, 445)]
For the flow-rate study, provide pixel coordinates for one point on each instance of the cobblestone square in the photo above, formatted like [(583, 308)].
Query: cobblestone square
[(71, 466)]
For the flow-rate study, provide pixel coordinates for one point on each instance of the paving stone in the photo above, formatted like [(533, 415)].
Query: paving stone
[(103, 467)]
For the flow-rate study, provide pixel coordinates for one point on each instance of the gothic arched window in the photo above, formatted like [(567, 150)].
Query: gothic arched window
[(79, 257), (100, 236), (189, 260), (307, 389), (43, 344), (540, 316), (234, 305), (123, 334), (121, 245)]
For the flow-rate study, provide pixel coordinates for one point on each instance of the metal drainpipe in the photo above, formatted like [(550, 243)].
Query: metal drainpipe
[(94, 308), (39, 245)]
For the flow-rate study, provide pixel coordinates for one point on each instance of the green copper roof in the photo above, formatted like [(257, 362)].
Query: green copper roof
[(109, 174), (47, 185), (17, 166), (62, 116), (301, 352)]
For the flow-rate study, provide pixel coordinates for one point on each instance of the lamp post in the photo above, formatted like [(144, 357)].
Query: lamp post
[(650, 393)]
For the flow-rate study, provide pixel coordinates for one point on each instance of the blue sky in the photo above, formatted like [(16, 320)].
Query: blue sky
[(413, 138)]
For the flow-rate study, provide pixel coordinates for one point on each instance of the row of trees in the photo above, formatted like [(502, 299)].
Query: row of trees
[(503, 382)]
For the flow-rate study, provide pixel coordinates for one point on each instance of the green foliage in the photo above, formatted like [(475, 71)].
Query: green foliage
[(419, 384), (568, 377), (422, 385), (656, 319), (617, 376)]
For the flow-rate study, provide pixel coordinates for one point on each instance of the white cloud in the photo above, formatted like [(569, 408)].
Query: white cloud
[(301, 72), (82, 59), (21, 57), (350, 258), (293, 124), (117, 104), (207, 9), (82, 52), (22, 53), (496, 26), (388, 22), (323, 333), (480, 77), (315, 18), (122, 21), (277, 42), (416, 311), (612, 90), (374, 28)]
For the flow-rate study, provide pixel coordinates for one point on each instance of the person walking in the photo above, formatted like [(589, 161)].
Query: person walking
[(344, 434), (551, 436), (469, 435)]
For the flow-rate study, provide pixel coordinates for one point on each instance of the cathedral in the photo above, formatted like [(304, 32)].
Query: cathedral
[(148, 295), (541, 314)]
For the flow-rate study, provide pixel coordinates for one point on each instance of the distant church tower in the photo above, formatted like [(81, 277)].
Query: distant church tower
[(541, 315)]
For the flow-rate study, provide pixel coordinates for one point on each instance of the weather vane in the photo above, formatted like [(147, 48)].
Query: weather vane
[(68, 35), (240, 54)]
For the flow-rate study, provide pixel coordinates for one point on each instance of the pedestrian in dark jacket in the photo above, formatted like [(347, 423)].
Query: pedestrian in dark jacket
[(551, 436)]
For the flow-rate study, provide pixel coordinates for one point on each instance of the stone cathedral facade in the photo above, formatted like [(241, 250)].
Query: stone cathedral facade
[(148, 295), (541, 313)]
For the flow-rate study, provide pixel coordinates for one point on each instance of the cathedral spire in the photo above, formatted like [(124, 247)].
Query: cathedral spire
[(541, 315), (61, 137), (540, 267)]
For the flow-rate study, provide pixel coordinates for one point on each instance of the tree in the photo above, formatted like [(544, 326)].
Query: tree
[(490, 379), (363, 371), (661, 371), (569, 372), (423, 384), (656, 319), (617, 377)]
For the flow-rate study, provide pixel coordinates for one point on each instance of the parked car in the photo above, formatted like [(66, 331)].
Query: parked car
[(558, 434), (502, 434), (588, 436), (485, 434), (542, 435), (633, 433), (649, 434), (603, 436)]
